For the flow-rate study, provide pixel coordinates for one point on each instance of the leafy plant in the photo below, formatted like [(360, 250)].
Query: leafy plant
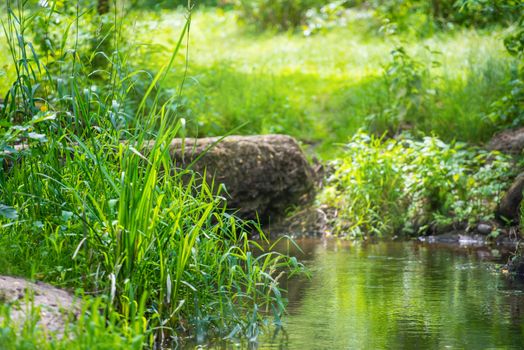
[(404, 186), (509, 110), (421, 17), (409, 89), (94, 329)]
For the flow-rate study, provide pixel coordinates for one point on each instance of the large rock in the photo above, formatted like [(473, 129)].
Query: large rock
[(54, 305), (508, 141), (263, 174), (509, 207)]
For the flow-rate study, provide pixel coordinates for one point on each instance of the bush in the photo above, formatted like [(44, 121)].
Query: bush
[(509, 110), (403, 186), (413, 15), (409, 94), (275, 14)]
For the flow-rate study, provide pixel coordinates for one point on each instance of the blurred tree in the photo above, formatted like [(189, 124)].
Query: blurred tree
[(102, 7)]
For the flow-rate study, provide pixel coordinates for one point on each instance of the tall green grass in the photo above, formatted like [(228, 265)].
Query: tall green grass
[(89, 202), (94, 329)]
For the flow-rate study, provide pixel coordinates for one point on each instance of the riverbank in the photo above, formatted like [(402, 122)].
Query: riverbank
[(409, 187), (95, 201)]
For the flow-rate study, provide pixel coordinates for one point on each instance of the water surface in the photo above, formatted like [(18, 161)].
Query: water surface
[(401, 296)]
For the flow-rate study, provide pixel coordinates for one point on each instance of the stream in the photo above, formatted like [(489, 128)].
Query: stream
[(401, 295)]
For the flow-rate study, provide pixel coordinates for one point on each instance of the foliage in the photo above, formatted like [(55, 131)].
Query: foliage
[(95, 328), (341, 14), (403, 186), (45, 45), (509, 110), (423, 17), (418, 17), (320, 88), (275, 14), (333, 14), (483, 12), (409, 93), (88, 202), (138, 232), (323, 88)]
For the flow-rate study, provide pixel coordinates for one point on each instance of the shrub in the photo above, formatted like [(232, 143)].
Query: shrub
[(408, 95), (446, 12), (403, 186), (411, 90), (275, 14)]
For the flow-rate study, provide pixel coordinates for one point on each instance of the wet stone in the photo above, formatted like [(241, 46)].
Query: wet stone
[(484, 229)]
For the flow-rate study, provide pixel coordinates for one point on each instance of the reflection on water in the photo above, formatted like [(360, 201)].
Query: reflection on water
[(401, 296)]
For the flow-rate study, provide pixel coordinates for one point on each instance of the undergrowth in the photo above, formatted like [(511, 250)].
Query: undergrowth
[(320, 89), (323, 88), (401, 186)]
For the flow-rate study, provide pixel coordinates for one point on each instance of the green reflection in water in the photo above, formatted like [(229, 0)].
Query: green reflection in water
[(401, 296)]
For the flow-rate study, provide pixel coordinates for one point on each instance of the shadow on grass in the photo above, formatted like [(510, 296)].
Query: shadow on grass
[(322, 110)]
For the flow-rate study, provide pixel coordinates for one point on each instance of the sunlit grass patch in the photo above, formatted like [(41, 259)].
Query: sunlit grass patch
[(320, 88), (324, 87)]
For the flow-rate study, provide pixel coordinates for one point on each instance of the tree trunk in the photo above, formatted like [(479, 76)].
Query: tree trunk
[(102, 7), (436, 8)]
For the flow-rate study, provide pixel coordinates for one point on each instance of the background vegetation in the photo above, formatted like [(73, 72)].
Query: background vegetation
[(351, 71), (402, 186), (86, 202)]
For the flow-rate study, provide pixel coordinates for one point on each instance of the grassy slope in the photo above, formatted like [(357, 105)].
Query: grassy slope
[(322, 88), (96, 206)]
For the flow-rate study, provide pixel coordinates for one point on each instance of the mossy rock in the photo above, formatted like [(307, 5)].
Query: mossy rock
[(263, 175), (508, 141)]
